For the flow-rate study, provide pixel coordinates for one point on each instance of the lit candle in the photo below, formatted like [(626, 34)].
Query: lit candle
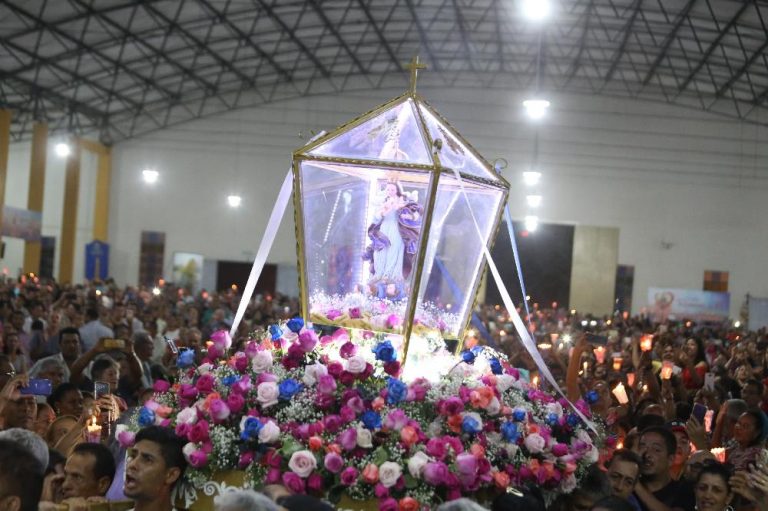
[(621, 394), (646, 343), (92, 430), (666, 370), (719, 453), (535, 382), (586, 367), (617, 360), (708, 420), (599, 354), (631, 379)]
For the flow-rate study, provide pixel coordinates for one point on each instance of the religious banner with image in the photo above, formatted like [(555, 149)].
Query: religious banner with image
[(676, 304), (22, 223)]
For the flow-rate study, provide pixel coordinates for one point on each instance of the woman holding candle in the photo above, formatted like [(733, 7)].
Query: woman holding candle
[(749, 434), (691, 359)]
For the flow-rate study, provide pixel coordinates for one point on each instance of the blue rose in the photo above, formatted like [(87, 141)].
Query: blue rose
[(573, 419), (289, 388), (371, 420), (519, 415), (509, 432), (229, 380), (592, 397), (469, 356), (396, 391), (276, 332), (295, 325), (146, 417), (385, 352), (251, 429), (186, 359), (496, 366), (552, 419), (470, 425)]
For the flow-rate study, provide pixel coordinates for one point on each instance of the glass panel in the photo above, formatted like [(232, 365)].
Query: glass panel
[(454, 254), (393, 135), (362, 230), (454, 154)]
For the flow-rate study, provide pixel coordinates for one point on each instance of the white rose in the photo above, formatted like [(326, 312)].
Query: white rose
[(302, 463), (512, 450), (267, 393), (555, 408), (417, 463), (188, 449), (313, 373), (389, 473), (364, 437), (262, 361), (269, 433), (535, 443), (494, 407), (568, 484), (356, 364), (204, 368), (187, 416), (504, 381), (434, 429), (592, 455)]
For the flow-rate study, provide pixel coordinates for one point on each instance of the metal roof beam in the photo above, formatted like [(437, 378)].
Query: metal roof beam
[(713, 46), (248, 40), (743, 69), (36, 91), (624, 40), (380, 35), (292, 35), (335, 32), (423, 36), (668, 40)]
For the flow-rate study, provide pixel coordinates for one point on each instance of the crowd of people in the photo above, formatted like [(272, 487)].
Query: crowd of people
[(683, 404)]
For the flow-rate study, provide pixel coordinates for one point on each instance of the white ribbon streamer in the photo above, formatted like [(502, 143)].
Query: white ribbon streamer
[(278, 211), (525, 336)]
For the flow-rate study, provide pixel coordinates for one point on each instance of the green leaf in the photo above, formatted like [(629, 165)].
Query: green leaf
[(380, 456), (289, 447), (410, 482)]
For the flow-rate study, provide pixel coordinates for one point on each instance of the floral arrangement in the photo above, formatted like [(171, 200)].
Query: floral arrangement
[(331, 415)]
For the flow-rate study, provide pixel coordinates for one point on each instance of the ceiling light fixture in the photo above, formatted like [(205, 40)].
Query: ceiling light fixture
[(531, 177), (536, 109), (531, 223), (533, 201), (234, 201), (150, 176), (62, 150), (536, 10)]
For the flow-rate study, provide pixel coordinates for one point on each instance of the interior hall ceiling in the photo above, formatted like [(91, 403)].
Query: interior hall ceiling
[(125, 68)]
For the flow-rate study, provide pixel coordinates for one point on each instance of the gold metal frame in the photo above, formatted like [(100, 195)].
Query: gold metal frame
[(435, 171)]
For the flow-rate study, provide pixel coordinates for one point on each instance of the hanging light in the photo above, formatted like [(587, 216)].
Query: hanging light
[(150, 176), (533, 201), (62, 150), (531, 223), (234, 201), (531, 177), (536, 108), (535, 10)]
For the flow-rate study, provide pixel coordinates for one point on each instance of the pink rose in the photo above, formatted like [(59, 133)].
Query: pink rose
[(302, 463), (347, 350), (348, 476), (273, 476), (242, 385), (326, 384), (161, 386), (262, 361), (559, 450), (219, 410), (198, 459), (356, 364), (126, 438), (354, 313), (315, 482), (205, 383), (535, 443), (333, 462), (198, 432), (348, 439), (435, 473), (221, 340), (188, 392), (235, 402), (308, 340), (293, 482), (388, 504), (466, 465)]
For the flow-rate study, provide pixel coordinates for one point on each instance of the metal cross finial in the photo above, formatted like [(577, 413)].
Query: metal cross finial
[(414, 67)]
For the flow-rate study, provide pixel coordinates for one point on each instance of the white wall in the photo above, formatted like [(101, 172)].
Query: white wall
[(657, 172)]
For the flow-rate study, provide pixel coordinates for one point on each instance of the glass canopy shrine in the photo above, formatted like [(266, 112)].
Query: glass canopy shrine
[(386, 240)]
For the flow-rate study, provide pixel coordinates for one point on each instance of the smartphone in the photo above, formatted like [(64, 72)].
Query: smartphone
[(172, 345), (100, 388), (597, 340), (114, 344), (709, 381), (37, 387), (699, 411)]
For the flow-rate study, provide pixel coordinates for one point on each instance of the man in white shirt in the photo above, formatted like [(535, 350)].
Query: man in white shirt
[(93, 330)]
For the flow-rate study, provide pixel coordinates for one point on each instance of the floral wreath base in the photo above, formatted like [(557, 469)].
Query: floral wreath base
[(335, 416)]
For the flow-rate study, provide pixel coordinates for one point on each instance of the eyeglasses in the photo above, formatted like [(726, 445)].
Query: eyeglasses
[(699, 465)]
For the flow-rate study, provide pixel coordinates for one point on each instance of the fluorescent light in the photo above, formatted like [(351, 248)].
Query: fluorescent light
[(150, 176), (533, 201), (234, 201), (62, 150), (531, 223), (536, 108), (531, 177), (535, 10)]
